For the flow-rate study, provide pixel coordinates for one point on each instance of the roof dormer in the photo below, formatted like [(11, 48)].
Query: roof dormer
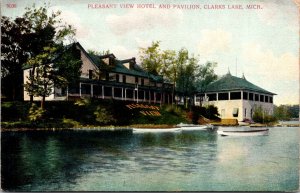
[(108, 59), (129, 63)]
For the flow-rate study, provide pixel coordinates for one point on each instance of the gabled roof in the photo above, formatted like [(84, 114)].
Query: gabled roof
[(231, 83), (119, 67)]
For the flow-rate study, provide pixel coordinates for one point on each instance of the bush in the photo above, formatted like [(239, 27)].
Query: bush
[(103, 116), (261, 116), (35, 113)]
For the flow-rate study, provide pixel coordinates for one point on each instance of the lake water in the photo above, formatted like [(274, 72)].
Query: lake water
[(186, 161)]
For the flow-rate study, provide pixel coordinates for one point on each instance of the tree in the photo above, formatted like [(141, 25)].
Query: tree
[(204, 77), (180, 68), (15, 41), (187, 69), (48, 34), (157, 62), (151, 58)]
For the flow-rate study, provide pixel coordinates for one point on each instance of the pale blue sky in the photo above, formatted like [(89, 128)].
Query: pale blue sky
[(264, 42)]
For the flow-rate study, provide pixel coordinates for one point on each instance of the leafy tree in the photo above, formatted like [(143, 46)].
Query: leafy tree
[(286, 112), (187, 68), (151, 58), (15, 46), (48, 35), (204, 77), (180, 68), (261, 116), (67, 66)]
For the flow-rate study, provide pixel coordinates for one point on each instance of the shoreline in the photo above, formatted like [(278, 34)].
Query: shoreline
[(114, 128)]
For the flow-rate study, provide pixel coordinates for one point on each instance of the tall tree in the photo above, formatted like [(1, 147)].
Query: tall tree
[(48, 34), (15, 40), (187, 68), (204, 77), (151, 58)]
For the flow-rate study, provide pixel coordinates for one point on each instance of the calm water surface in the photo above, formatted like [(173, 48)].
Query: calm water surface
[(187, 161)]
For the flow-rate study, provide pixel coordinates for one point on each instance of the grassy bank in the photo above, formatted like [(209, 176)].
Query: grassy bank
[(92, 113)]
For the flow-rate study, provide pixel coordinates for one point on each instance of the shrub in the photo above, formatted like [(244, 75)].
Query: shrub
[(35, 113), (261, 116), (70, 123), (103, 116)]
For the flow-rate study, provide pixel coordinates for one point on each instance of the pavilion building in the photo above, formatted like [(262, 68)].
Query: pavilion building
[(236, 98)]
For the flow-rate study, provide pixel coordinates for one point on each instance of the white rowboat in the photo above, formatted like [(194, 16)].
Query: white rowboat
[(192, 127), (154, 130), (242, 131)]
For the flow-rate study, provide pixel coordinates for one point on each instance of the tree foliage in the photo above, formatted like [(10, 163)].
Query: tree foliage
[(286, 112), (15, 46), (179, 67), (261, 116), (47, 34), (205, 75)]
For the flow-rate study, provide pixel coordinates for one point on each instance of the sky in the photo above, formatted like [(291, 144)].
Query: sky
[(262, 44)]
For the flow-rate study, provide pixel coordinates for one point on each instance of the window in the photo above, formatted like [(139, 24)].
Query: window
[(256, 97), (142, 82), (245, 95), (251, 96), (271, 100), (245, 113), (90, 74), (212, 97), (223, 96), (235, 95), (124, 79), (235, 112), (136, 80), (266, 99), (107, 76), (261, 98), (117, 78)]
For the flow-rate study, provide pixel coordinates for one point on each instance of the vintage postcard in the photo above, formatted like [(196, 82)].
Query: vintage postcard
[(150, 95)]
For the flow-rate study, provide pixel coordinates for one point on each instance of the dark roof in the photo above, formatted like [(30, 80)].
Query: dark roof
[(119, 67), (230, 83)]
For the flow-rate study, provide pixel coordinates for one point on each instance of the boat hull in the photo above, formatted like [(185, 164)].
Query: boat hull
[(151, 130), (193, 128), (253, 132)]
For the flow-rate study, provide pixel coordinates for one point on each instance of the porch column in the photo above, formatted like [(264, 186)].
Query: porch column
[(80, 89), (92, 91), (122, 93), (125, 93), (102, 92), (242, 95), (67, 93)]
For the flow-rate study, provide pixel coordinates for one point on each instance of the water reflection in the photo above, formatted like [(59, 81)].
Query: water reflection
[(100, 161)]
